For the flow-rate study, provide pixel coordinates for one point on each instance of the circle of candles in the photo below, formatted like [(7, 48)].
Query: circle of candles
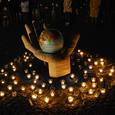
[(9, 87), (102, 90), (72, 75), (30, 64), (63, 86), (111, 70), (62, 81), (34, 96), (2, 93), (2, 81), (32, 87), (23, 88), (100, 70), (90, 91), (89, 59), (37, 76), (50, 81), (28, 76), (43, 85), (83, 84), (33, 72), (94, 85), (90, 66), (96, 63), (14, 94), (15, 82), (13, 77), (101, 79), (2, 70), (11, 63), (40, 91), (35, 81), (46, 99), (26, 70), (70, 99), (70, 89), (93, 79)]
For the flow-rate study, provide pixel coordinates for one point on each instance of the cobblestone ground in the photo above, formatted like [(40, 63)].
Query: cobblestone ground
[(17, 102)]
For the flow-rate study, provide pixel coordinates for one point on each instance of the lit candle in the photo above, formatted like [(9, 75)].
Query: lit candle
[(83, 84), (70, 99), (81, 53), (35, 81), (9, 87), (14, 69), (72, 75), (89, 59), (90, 91), (30, 64), (110, 74), (78, 50), (90, 66), (2, 93), (5, 74), (101, 79), (50, 81), (100, 70), (102, 63), (63, 86), (26, 70), (93, 79), (96, 95), (43, 85), (13, 66), (46, 99), (13, 77), (2, 70), (37, 76), (23, 88), (70, 89), (94, 85), (25, 60), (52, 93), (40, 91), (102, 90), (15, 82), (85, 71), (111, 70), (96, 63), (11, 63), (26, 53), (34, 96), (32, 87), (33, 72), (28, 76), (62, 81), (2, 81), (101, 59), (27, 57)]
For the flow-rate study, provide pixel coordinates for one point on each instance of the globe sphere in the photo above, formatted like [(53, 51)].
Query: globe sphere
[(51, 40)]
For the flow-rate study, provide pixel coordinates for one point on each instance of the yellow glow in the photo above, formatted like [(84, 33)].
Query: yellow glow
[(15, 82), (26, 70), (110, 74), (46, 99), (81, 53), (96, 63), (23, 88), (5, 74), (70, 89), (62, 81), (101, 59), (85, 71), (50, 81), (90, 67), (2, 93), (2, 70), (100, 70), (112, 70), (40, 91), (14, 69), (63, 86), (37, 76), (94, 85), (34, 96), (72, 75), (30, 64), (9, 87), (83, 84), (32, 87), (28, 76), (102, 63), (13, 77), (43, 85), (78, 50), (52, 93), (11, 63), (101, 79), (35, 81), (2, 81), (102, 90), (33, 72), (89, 59), (70, 99), (93, 79), (90, 91)]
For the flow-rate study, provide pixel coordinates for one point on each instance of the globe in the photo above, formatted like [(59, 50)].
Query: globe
[(51, 40)]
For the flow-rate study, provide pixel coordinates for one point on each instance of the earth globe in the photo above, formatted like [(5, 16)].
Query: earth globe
[(51, 40)]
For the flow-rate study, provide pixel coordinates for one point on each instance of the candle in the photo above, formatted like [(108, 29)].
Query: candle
[(78, 50), (25, 60), (35, 81), (90, 66), (26, 53), (94, 85), (14, 69), (11, 63), (40, 91), (81, 53), (2, 93), (110, 74), (30, 64), (89, 59), (28, 76), (32, 87), (83, 84), (43, 85), (85, 71), (27, 57), (15, 82), (9, 87), (34, 96), (23, 88), (90, 91), (72, 75), (2, 81), (46, 99), (96, 63), (93, 79), (50, 81), (79, 66), (70, 99), (37, 76), (101, 79), (102, 63), (13, 66), (63, 86), (96, 95), (26, 70), (52, 93), (111, 70), (2, 70), (33, 72), (13, 77), (62, 81), (100, 70), (70, 89), (5, 74), (102, 90), (101, 59)]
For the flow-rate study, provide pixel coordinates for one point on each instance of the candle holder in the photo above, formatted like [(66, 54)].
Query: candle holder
[(46, 99), (14, 94)]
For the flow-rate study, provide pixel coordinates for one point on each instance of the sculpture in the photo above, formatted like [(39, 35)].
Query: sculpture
[(59, 63)]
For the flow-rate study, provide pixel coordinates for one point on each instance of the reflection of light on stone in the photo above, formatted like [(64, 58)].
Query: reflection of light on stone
[(95, 63), (62, 81), (90, 91), (34, 96), (83, 84), (70, 99), (102, 90), (46, 99), (63, 86), (28, 76), (15, 82), (43, 85), (2, 93), (70, 89), (50, 81), (40, 91), (2, 81), (9, 87), (72, 75), (37, 76)]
